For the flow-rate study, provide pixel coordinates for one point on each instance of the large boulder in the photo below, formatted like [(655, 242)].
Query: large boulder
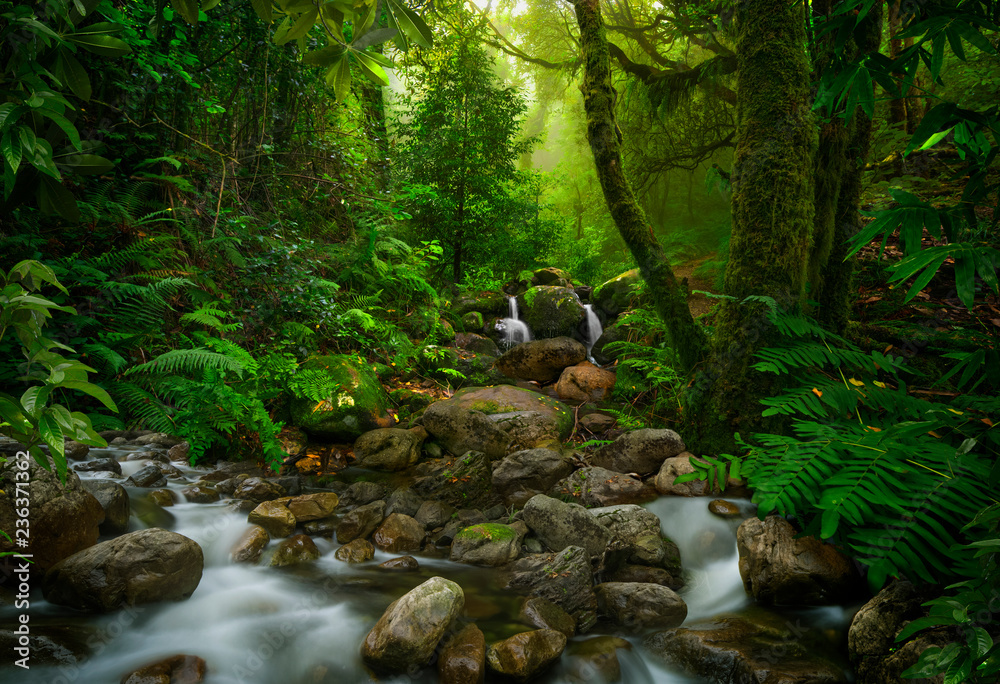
[(140, 567), (585, 382), (399, 534), (294, 550), (674, 467), (258, 490), (309, 507), (361, 522), (755, 646), (63, 519), (600, 351), (779, 569), (525, 655), (274, 517), (359, 403), (388, 449), (463, 482), (410, 628), (639, 451), (477, 344), (523, 474), (565, 578), (551, 276), (250, 545), (617, 294), (491, 544), (871, 640), (463, 658), (559, 524), (487, 303), (490, 419), (602, 487), (551, 310), (638, 606), (115, 502), (544, 614), (636, 536), (542, 360)]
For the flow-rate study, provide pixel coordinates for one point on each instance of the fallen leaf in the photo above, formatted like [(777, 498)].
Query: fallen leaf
[(817, 392)]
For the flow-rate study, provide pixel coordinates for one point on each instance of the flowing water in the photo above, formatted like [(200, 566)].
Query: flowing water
[(304, 624), (515, 331), (594, 328)]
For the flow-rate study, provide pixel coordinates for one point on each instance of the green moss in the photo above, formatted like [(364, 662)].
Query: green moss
[(490, 531)]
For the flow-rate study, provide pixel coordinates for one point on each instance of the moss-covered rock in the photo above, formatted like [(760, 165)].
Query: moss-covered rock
[(358, 405), (551, 276), (487, 303), (617, 294), (489, 544), (551, 311), (472, 320)]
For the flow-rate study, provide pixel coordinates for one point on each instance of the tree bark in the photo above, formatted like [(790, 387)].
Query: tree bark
[(687, 338), (773, 214)]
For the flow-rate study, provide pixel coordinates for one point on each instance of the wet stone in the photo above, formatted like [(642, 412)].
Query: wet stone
[(357, 551)]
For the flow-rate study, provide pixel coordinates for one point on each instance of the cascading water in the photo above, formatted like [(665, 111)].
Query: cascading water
[(515, 331), (304, 624), (594, 328)]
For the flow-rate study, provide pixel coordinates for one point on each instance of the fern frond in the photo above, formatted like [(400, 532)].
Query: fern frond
[(188, 361)]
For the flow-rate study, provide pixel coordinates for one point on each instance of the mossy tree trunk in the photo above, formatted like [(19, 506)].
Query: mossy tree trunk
[(686, 336)]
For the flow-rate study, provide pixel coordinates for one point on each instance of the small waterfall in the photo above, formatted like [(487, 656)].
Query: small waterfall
[(515, 331), (594, 328)]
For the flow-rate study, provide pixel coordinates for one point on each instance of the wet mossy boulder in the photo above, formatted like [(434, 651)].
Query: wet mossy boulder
[(617, 294), (542, 360), (490, 544), (356, 405), (486, 303), (551, 311), (551, 276)]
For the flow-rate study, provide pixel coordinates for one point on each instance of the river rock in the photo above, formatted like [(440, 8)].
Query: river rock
[(523, 474), (473, 320), (646, 575), (62, 519), (565, 578), (542, 360), (136, 568), (401, 564), (544, 614), (74, 451), (388, 449), (434, 514), (250, 546), (411, 627), (461, 482), (477, 344), (398, 534), (463, 658), (161, 439), (585, 382), (618, 294), (294, 550), (551, 310), (778, 569), (162, 497), (273, 517), (488, 303), (755, 646), (871, 640), (525, 655), (361, 522), (148, 476), (100, 465), (360, 493), (673, 468), (598, 422), (356, 551), (358, 405), (405, 501), (637, 607), (551, 275), (595, 660), (200, 494), (259, 490), (490, 419), (115, 502), (724, 509), (490, 544), (602, 487), (600, 351), (560, 524), (635, 533), (309, 507), (639, 451), (178, 669)]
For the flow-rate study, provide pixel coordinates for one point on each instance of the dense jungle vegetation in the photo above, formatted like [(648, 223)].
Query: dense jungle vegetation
[(199, 197)]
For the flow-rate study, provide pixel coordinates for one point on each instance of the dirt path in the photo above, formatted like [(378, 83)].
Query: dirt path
[(699, 303)]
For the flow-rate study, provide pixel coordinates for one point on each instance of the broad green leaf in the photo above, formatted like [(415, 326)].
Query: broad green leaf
[(374, 37), (339, 77), (974, 37), (88, 164), (300, 27), (866, 93), (209, 4), (188, 9), (63, 123), (52, 434), (263, 10), (99, 44), (324, 57), (11, 149), (371, 68), (8, 110), (965, 281), (411, 24), (937, 56), (35, 398), (932, 122), (935, 139), (75, 75), (93, 390), (955, 41), (980, 642), (101, 27), (32, 273), (53, 198)]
